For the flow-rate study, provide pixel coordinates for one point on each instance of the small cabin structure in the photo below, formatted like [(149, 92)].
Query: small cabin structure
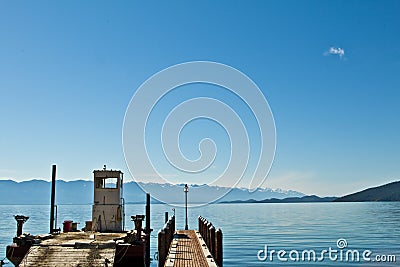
[(108, 205)]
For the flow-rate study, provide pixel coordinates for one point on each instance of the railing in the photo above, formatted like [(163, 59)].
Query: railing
[(212, 238), (165, 236)]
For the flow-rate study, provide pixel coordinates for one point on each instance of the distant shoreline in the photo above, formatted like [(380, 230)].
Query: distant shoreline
[(385, 193), (79, 192)]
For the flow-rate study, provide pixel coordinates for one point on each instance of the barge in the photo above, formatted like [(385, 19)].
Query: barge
[(102, 242)]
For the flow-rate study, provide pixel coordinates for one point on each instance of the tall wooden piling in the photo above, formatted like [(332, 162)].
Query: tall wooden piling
[(199, 223), (212, 239), (53, 197), (148, 230), (208, 234), (218, 256), (162, 248)]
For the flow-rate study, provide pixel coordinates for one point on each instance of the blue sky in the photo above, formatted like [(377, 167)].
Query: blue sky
[(68, 70)]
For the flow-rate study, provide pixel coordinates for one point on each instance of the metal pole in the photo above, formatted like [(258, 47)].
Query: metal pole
[(186, 207), (53, 196)]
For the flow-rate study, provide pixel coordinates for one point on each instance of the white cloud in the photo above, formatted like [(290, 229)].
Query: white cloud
[(335, 51)]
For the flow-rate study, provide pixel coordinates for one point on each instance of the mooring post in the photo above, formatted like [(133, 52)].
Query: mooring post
[(199, 223), (148, 230), (21, 219), (137, 220), (167, 235), (53, 197), (166, 217), (173, 224), (208, 234), (171, 227), (204, 230), (212, 240), (162, 249), (218, 248)]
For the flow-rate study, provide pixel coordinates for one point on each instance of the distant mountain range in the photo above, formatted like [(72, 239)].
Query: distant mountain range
[(387, 192), (81, 192), (304, 199)]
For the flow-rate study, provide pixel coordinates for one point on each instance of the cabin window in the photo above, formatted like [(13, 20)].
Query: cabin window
[(110, 183)]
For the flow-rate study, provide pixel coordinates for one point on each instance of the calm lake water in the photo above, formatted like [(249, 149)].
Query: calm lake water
[(248, 228)]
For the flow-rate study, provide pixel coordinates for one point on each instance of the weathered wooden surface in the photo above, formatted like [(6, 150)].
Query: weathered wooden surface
[(67, 256), (74, 249), (189, 250)]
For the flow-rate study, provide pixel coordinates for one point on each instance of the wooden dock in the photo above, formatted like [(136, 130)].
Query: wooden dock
[(74, 249), (67, 256), (190, 248)]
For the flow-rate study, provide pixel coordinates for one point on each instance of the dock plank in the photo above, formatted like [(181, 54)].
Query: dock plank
[(188, 250)]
